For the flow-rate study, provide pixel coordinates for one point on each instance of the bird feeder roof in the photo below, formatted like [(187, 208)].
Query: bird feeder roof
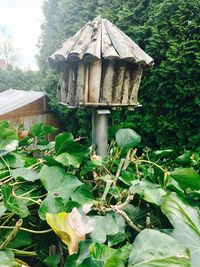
[(96, 40)]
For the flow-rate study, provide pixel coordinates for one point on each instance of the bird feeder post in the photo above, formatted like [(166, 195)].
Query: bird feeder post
[(100, 130)]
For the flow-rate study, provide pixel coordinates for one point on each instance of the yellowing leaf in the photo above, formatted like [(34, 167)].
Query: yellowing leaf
[(21, 263), (70, 227)]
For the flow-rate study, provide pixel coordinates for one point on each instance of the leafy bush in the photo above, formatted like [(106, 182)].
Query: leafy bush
[(61, 205)]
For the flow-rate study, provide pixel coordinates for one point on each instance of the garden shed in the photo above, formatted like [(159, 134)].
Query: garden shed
[(26, 107)]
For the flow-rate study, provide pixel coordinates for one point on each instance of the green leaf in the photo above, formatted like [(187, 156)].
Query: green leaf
[(52, 204), (27, 174), (127, 177), (82, 254), (186, 223), (127, 138), (83, 195), (110, 224), (152, 248), (62, 141), (116, 239), (22, 239), (57, 182), (7, 259), (6, 132), (12, 203), (67, 159), (41, 129), (184, 159), (53, 260), (2, 209), (109, 256), (12, 160), (150, 192), (162, 153), (187, 178)]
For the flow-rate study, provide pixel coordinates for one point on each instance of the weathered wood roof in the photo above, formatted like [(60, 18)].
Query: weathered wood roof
[(99, 38), (12, 99)]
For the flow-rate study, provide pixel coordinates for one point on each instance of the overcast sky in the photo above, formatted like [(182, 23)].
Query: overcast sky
[(23, 19)]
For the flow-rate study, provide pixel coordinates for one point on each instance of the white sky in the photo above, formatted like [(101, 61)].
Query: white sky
[(23, 19)]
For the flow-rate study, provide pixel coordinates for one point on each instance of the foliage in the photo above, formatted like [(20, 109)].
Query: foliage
[(169, 32), (62, 205), (18, 79), (7, 51)]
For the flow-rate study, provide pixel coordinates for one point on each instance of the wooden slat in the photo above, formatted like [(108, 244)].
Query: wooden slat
[(103, 104), (86, 92), (125, 88), (82, 43), (107, 82), (138, 54), (71, 87), (80, 83), (118, 82), (95, 81), (93, 51), (64, 85), (133, 89), (118, 41), (108, 51)]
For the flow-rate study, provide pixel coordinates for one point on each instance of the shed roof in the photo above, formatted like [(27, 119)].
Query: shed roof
[(99, 39), (12, 99)]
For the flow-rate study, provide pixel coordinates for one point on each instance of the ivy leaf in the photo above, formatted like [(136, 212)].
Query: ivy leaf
[(127, 138), (109, 256), (22, 239), (187, 178), (57, 182), (186, 223), (67, 159), (25, 173), (184, 159), (150, 192), (14, 204), (83, 195), (7, 259), (13, 161), (162, 153), (62, 141), (53, 260), (70, 227), (21, 263), (152, 248), (110, 224), (52, 204), (40, 129)]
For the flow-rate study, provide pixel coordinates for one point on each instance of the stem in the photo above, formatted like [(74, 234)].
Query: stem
[(24, 253), (5, 163), (125, 216), (118, 171), (27, 230), (12, 235), (126, 202), (107, 188), (29, 199), (149, 162)]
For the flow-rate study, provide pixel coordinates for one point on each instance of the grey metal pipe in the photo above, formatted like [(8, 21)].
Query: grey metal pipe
[(100, 130)]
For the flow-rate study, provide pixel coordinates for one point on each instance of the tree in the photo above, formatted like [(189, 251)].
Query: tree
[(7, 51)]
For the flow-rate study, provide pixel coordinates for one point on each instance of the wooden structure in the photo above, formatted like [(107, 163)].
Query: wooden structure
[(26, 107), (99, 66)]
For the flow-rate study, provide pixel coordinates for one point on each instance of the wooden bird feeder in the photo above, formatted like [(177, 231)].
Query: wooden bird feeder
[(99, 67)]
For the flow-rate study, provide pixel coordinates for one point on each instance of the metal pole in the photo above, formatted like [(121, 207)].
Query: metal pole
[(100, 130)]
